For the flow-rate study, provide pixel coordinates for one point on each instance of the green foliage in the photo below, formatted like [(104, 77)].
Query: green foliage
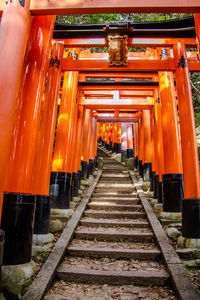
[(111, 18)]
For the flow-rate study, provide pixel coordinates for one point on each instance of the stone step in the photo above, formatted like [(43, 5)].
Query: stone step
[(115, 180), (112, 195), (114, 170), (116, 186), (121, 191), (116, 201), (142, 254), (109, 235), (143, 278), (120, 176), (113, 214), (100, 206), (113, 223)]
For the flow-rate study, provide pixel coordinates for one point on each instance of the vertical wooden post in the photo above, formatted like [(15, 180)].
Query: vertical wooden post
[(159, 145), (173, 177), (43, 159), (153, 150), (22, 157), (130, 151), (14, 31), (146, 144), (191, 201), (124, 141), (119, 138), (20, 175), (60, 189), (77, 152), (197, 27), (86, 136), (93, 145), (103, 134), (136, 144), (140, 152)]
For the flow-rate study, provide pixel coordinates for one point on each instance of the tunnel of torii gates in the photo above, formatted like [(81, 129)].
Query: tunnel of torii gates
[(134, 98)]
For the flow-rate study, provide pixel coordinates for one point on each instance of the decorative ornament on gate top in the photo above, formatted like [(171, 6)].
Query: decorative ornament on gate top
[(118, 50)]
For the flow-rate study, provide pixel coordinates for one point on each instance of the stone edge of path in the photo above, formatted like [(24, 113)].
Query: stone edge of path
[(46, 275), (181, 282)]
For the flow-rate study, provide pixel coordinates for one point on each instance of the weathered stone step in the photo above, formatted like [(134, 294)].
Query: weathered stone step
[(113, 214), (143, 278), (113, 223), (113, 170), (115, 180), (115, 195), (116, 186), (116, 201), (100, 206), (106, 191), (120, 176), (109, 161), (108, 235), (142, 254)]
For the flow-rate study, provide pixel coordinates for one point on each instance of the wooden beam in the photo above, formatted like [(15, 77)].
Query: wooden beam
[(122, 93), (119, 102), (117, 75), (136, 42), (133, 66), (96, 89), (41, 7), (117, 120)]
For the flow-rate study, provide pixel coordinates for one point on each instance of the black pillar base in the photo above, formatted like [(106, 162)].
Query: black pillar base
[(130, 153), (75, 184), (42, 215), (147, 171), (17, 222), (159, 191), (152, 186), (156, 180), (2, 237), (136, 162), (172, 192), (84, 170), (115, 147), (60, 190), (124, 155), (110, 146), (191, 218), (140, 168), (103, 143), (119, 148), (79, 178), (94, 164), (90, 167)]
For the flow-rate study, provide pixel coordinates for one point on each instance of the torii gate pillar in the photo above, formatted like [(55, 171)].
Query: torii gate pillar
[(191, 201)]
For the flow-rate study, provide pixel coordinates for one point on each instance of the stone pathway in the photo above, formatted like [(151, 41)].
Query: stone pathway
[(113, 254)]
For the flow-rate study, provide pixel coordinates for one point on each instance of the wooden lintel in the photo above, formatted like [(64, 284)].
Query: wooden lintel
[(39, 7), (136, 42), (116, 120), (133, 66), (119, 102)]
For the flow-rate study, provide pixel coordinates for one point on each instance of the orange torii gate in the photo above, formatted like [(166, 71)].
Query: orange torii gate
[(27, 26)]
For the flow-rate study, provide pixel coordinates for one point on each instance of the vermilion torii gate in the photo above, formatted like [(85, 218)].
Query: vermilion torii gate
[(27, 139)]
